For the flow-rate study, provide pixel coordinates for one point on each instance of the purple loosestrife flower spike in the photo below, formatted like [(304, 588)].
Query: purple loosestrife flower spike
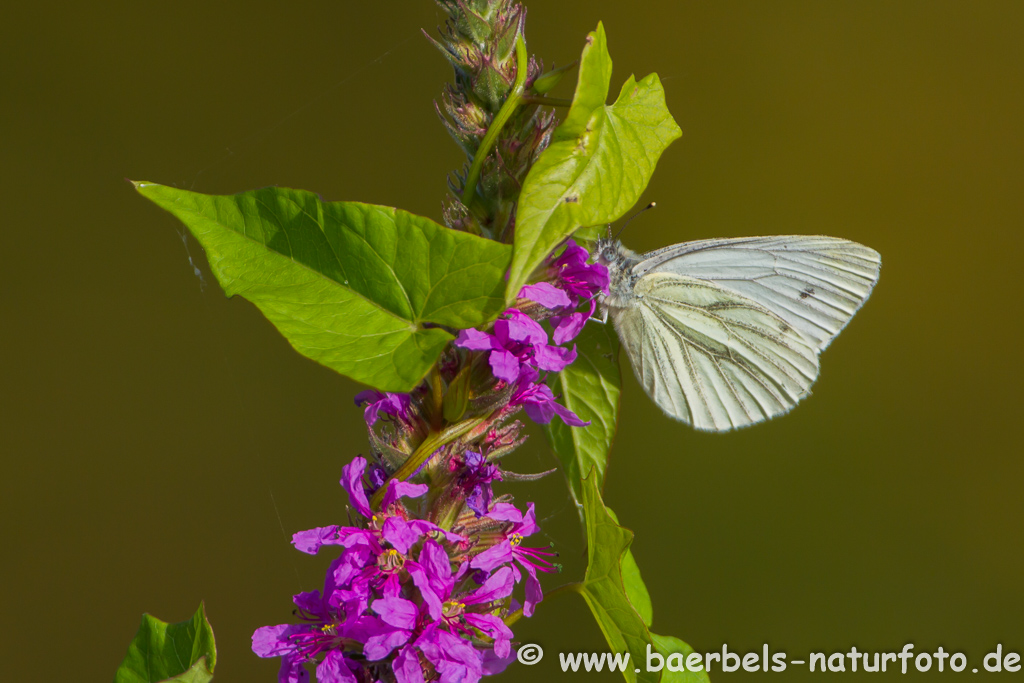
[(422, 580)]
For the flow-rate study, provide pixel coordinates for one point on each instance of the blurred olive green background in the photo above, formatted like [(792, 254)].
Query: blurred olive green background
[(161, 443)]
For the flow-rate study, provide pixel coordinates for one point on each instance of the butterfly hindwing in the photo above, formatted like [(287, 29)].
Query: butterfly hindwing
[(710, 356)]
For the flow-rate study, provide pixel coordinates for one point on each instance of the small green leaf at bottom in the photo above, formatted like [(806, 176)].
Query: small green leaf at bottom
[(618, 598), (603, 587), (162, 652), (668, 647)]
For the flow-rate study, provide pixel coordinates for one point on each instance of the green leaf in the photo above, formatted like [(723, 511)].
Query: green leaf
[(591, 85), (667, 646), (603, 587), (618, 597), (591, 174), (636, 589), (590, 388), (184, 652), (355, 287)]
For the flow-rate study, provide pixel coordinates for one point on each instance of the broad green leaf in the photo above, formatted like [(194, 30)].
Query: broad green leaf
[(183, 652), (356, 287), (590, 388), (603, 586), (668, 646), (591, 174)]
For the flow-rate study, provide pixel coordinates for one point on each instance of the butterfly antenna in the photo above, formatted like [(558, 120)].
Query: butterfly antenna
[(630, 219)]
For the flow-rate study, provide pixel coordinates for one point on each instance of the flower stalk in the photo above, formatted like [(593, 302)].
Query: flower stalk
[(515, 99), (489, 112)]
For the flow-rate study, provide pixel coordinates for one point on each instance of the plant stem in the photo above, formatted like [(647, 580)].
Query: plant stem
[(515, 98), (426, 449)]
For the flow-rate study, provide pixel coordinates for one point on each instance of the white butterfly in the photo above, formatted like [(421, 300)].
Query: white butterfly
[(725, 333)]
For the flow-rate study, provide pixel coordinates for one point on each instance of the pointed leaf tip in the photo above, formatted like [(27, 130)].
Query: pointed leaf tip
[(162, 652), (365, 290), (598, 164)]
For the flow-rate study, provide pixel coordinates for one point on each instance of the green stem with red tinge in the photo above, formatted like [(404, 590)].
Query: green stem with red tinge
[(515, 99)]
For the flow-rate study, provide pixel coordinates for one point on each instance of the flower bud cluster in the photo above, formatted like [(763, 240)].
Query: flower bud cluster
[(479, 41)]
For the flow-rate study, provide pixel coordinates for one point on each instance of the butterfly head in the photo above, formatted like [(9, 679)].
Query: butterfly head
[(610, 253), (607, 249)]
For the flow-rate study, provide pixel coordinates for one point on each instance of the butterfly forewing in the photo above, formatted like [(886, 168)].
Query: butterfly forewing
[(814, 283), (710, 356)]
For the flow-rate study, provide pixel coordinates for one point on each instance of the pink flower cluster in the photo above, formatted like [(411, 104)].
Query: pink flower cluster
[(518, 348), (407, 598)]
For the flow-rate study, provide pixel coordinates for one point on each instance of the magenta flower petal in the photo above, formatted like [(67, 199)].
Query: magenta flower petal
[(335, 669), (403, 534), (534, 594), (493, 627), (382, 402), (309, 601), (433, 596), (493, 664), (505, 512), (553, 358), (424, 527), (401, 489), (397, 612), (528, 527), (274, 641), (504, 365), (475, 340), (352, 481), (292, 671), (380, 645), (495, 556), (568, 327), (499, 585), (545, 294), (454, 658), (435, 560), (541, 413), (310, 541), (568, 417), (407, 666), (400, 534), (519, 327)]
